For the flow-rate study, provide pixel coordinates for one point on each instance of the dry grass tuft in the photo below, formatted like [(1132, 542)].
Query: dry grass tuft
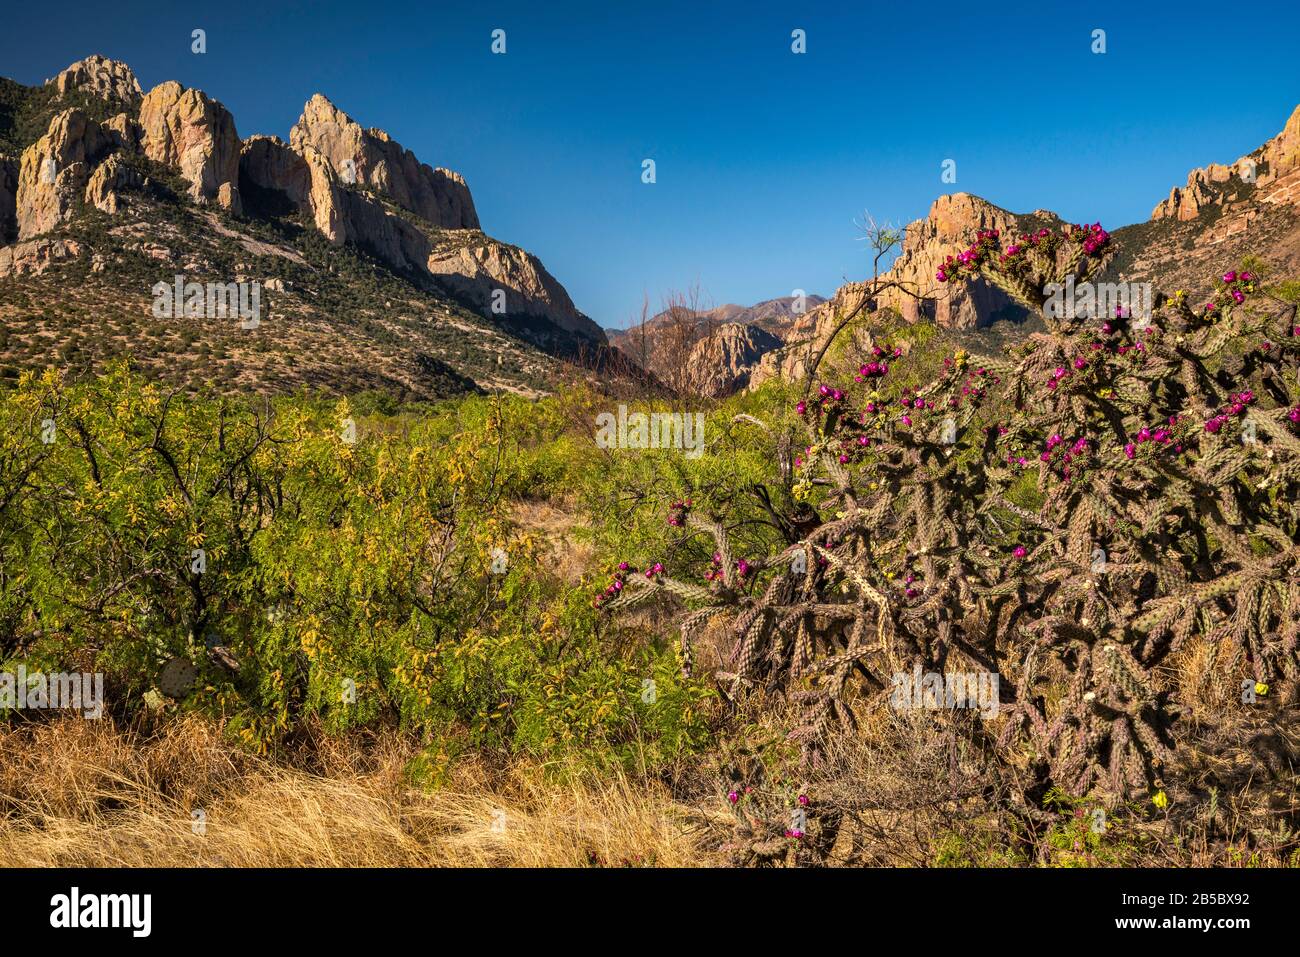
[(79, 793)]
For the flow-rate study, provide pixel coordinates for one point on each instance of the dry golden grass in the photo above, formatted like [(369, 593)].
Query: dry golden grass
[(568, 557), (79, 793), (84, 793)]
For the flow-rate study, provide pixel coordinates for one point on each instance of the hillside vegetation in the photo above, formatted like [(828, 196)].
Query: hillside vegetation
[(409, 618)]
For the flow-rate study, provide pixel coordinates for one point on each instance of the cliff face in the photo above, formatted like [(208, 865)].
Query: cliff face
[(268, 163), (791, 361), (950, 226), (313, 174), (357, 186), (721, 363), (187, 130), (55, 170), (344, 176), (1273, 171), (372, 158), (8, 200), (482, 267)]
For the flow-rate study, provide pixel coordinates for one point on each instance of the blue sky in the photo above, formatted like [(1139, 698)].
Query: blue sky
[(763, 157)]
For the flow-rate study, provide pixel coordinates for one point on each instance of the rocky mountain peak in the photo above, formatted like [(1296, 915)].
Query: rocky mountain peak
[(55, 170), (373, 158), (952, 222), (189, 130), (1273, 170), (100, 76)]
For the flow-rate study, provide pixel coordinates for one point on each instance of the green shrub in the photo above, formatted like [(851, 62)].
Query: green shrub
[(307, 576)]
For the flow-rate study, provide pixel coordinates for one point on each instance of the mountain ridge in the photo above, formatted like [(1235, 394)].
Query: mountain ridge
[(98, 157), (1225, 212)]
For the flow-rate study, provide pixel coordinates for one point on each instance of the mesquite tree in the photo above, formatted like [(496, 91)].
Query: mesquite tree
[(1066, 516)]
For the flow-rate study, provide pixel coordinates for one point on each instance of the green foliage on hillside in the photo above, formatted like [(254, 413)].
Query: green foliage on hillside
[(26, 111), (312, 578), (450, 572)]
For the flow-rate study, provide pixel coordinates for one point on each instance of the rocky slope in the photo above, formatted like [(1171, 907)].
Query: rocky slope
[(721, 363), (102, 163), (1225, 212), (683, 336)]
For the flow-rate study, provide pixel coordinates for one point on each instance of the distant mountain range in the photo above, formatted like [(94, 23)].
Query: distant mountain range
[(373, 270), (710, 350), (1223, 213), (371, 267)]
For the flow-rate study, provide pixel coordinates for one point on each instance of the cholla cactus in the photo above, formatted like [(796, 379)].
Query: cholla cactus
[(1067, 517)]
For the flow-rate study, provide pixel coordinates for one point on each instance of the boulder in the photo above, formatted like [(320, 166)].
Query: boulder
[(36, 256)]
